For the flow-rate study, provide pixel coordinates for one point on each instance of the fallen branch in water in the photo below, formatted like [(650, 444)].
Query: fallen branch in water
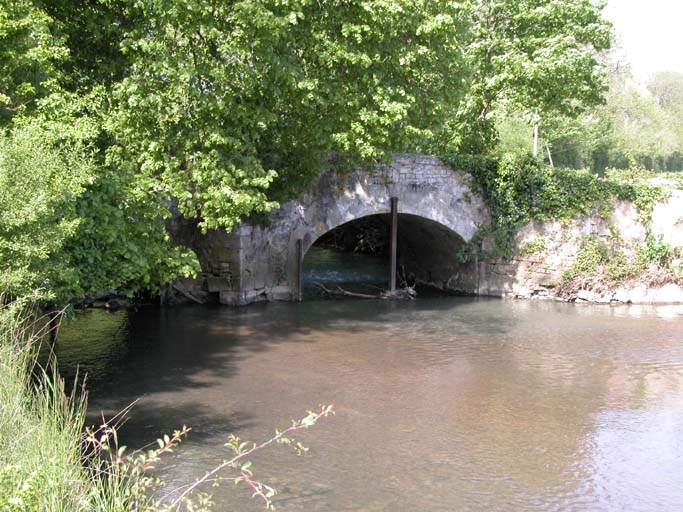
[(406, 293)]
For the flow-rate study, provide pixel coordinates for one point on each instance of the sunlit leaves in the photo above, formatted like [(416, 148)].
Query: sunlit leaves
[(40, 183), (30, 57), (538, 57), (230, 106)]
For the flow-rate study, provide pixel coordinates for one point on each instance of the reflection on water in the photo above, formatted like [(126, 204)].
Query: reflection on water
[(446, 404), (93, 344)]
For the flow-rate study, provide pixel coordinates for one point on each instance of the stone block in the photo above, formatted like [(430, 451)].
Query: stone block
[(217, 284), (260, 278), (280, 293)]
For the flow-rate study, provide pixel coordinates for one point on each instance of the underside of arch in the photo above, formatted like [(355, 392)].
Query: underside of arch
[(427, 250)]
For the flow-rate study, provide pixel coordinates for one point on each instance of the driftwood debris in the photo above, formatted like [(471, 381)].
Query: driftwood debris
[(406, 293)]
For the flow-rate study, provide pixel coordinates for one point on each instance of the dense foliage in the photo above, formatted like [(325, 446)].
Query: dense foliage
[(534, 57), (636, 127), (601, 266), (30, 57), (218, 110), (41, 184), (222, 99)]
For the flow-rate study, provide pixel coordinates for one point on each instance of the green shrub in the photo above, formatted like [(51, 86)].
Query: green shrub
[(599, 265), (536, 246), (655, 251), (40, 183)]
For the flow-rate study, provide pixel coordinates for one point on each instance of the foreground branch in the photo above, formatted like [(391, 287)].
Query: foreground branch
[(241, 453)]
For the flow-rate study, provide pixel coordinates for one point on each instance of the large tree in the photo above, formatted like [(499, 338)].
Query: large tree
[(223, 100), (225, 108), (534, 57), (221, 108)]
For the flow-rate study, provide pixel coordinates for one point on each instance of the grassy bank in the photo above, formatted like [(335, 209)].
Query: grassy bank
[(49, 461), (40, 430)]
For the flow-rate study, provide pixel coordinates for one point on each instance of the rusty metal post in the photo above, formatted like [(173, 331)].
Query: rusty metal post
[(394, 243), (299, 269)]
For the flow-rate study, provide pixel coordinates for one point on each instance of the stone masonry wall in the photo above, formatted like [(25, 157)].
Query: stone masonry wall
[(259, 261), (535, 273)]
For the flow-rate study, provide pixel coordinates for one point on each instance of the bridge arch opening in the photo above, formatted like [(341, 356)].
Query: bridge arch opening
[(355, 255)]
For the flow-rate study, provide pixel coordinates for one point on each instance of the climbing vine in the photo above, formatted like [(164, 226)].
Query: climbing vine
[(518, 190)]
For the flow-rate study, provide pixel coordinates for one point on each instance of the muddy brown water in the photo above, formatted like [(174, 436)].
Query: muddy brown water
[(442, 404)]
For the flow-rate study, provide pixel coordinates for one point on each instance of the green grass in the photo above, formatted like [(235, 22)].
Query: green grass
[(47, 462), (40, 429)]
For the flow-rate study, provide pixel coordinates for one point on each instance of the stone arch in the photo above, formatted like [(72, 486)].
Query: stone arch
[(267, 265)]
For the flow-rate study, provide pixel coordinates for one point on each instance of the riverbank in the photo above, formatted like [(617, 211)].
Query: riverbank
[(52, 461), (49, 461), (618, 256), (40, 431)]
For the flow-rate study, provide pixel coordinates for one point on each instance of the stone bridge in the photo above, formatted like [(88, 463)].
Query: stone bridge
[(437, 213)]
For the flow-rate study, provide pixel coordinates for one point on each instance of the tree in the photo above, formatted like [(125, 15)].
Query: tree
[(667, 89), (70, 225), (535, 57), (30, 57), (224, 109), (40, 184), (219, 108), (227, 107), (92, 30)]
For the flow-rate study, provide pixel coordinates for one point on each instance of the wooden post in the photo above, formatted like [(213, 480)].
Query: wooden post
[(394, 242), (299, 270)]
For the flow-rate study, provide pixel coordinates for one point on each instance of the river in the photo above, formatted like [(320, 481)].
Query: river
[(442, 403)]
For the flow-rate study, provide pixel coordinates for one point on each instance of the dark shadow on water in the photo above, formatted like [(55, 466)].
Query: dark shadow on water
[(149, 421), (161, 349), (152, 351)]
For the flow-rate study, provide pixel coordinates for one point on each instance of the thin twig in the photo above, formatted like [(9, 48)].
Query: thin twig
[(298, 426)]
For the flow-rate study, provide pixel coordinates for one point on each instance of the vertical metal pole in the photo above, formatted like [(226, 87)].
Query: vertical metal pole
[(394, 240), (299, 269)]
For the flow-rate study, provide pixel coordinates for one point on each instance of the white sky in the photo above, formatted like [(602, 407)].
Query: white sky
[(651, 33)]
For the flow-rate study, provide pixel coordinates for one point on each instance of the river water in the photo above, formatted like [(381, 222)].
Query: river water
[(442, 403)]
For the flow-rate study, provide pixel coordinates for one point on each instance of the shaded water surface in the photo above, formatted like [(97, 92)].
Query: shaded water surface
[(445, 404)]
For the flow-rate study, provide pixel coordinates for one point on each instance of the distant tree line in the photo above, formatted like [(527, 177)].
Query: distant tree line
[(637, 126)]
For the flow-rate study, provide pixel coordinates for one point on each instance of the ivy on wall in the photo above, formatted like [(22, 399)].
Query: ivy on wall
[(518, 190)]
